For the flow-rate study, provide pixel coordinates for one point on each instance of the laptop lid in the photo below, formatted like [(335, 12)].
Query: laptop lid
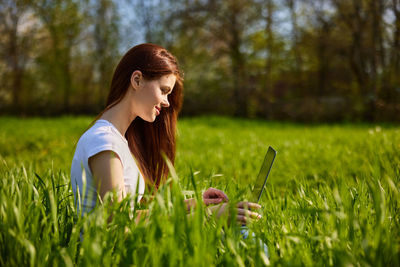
[(263, 175)]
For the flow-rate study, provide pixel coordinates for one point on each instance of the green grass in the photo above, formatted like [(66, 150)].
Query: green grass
[(332, 197)]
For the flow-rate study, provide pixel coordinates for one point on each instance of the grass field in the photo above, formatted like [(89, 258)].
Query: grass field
[(332, 197)]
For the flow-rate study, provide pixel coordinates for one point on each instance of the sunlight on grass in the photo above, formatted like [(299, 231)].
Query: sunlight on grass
[(332, 197)]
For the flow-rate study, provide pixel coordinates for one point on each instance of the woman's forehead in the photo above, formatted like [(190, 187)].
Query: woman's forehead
[(168, 80)]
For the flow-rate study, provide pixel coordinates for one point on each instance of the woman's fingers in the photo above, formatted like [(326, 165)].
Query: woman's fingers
[(248, 205), (244, 214), (241, 219), (251, 214), (213, 201), (244, 211)]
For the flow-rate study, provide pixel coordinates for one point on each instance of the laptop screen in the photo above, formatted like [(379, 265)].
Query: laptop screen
[(263, 175)]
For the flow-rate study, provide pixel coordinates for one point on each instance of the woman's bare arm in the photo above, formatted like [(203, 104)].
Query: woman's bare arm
[(107, 171)]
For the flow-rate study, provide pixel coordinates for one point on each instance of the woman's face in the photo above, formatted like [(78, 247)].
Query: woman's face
[(151, 96)]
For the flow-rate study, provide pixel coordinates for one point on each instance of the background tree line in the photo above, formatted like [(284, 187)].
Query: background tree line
[(309, 60)]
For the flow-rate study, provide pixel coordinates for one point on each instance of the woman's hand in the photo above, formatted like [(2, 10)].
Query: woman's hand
[(210, 196), (214, 196), (244, 211), (190, 204)]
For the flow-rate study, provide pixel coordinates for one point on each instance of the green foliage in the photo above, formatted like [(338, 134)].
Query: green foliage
[(332, 198), (320, 60)]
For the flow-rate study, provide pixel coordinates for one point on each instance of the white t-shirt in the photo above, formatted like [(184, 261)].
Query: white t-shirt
[(100, 137)]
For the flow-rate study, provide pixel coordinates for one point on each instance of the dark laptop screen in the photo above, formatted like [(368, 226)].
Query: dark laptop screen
[(263, 175)]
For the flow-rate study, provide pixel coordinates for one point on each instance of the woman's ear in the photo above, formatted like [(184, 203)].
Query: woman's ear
[(136, 78)]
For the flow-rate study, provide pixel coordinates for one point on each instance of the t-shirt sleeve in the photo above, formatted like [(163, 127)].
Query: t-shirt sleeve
[(103, 141)]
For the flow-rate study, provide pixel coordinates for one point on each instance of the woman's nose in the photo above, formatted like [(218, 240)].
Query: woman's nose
[(165, 103)]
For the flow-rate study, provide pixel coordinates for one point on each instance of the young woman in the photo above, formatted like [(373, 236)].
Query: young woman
[(121, 151)]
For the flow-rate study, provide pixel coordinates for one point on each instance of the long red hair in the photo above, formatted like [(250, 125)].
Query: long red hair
[(148, 140)]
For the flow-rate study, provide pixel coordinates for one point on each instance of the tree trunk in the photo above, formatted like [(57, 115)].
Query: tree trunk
[(16, 69), (293, 17), (269, 40), (66, 71), (322, 62), (237, 66), (395, 52)]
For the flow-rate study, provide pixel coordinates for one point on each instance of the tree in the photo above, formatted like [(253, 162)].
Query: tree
[(292, 5), (227, 26), (393, 93), (105, 37), (149, 18), (269, 6), (17, 30), (63, 21), (323, 25)]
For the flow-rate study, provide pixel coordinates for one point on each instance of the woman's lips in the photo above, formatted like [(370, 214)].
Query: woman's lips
[(158, 110)]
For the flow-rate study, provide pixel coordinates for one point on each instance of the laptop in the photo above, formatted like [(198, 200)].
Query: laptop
[(263, 175)]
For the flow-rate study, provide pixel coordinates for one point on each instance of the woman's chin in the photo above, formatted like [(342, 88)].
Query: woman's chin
[(150, 119)]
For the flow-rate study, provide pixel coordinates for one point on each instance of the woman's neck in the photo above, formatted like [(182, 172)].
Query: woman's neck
[(120, 116)]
